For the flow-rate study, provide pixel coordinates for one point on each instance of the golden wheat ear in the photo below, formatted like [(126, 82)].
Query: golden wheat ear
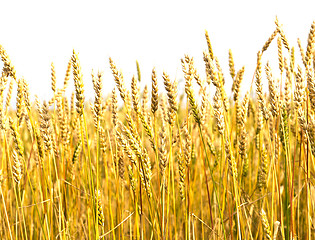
[(270, 39), (78, 82), (8, 68), (99, 208), (265, 224), (155, 94)]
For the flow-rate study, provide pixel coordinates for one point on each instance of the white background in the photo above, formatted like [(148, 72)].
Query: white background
[(156, 33)]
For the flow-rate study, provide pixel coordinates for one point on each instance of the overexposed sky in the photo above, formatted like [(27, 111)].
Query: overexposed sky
[(156, 33)]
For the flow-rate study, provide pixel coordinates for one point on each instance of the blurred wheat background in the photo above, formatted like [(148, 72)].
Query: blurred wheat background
[(164, 161)]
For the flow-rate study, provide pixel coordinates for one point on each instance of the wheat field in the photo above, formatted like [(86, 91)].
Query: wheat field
[(197, 164)]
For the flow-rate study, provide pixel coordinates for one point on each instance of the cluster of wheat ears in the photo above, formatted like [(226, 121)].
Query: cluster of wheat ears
[(163, 166)]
